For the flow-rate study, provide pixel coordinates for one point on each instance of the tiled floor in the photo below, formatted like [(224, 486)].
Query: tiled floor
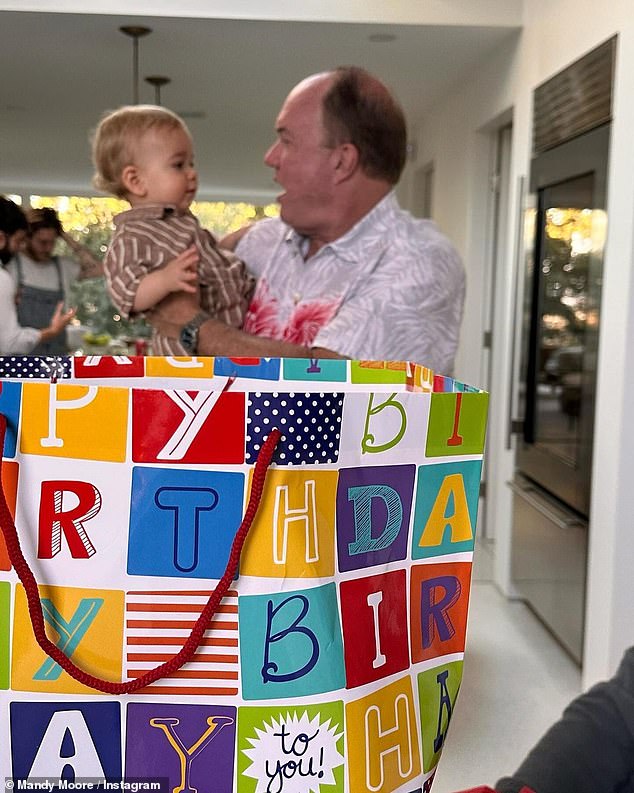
[(516, 682)]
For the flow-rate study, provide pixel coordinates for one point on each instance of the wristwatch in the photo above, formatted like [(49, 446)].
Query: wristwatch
[(188, 336)]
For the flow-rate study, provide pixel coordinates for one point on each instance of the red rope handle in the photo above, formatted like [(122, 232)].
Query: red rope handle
[(190, 646)]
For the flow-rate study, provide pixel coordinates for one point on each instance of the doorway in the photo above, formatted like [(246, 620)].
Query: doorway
[(496, 246)]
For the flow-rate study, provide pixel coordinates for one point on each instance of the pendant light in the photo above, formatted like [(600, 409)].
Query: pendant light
[(135, 32), (158, 82)]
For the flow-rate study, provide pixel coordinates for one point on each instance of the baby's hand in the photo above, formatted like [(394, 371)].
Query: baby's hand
[(181, 273)]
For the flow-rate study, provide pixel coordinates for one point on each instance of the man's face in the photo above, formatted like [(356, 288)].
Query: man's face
[(40, 244), (302, 163)]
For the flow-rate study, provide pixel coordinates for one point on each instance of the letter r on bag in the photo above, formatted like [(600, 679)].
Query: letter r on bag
[(55, 520)]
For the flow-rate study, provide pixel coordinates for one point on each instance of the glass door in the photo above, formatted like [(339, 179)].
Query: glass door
[(563, 319), (568, 316)]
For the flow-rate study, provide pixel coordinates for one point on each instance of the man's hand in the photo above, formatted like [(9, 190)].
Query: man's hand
[(72, 243), (229, 241), (59, 320)]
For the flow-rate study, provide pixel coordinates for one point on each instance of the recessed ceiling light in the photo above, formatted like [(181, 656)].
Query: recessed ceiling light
[(381, 38)]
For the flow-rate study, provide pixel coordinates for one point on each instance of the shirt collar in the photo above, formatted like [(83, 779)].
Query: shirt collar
[(149, 212)]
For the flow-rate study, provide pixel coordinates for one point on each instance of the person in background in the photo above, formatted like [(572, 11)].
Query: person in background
[(15, 339), (43, 280), (344, 271), (589, 750), (144, 153)]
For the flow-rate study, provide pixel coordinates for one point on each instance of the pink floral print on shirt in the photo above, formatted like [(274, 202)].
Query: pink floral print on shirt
[(307, 320), (304, 324), (261, 318)]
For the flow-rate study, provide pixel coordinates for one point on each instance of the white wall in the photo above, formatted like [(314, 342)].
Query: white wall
[(556, 32), (452, 135)]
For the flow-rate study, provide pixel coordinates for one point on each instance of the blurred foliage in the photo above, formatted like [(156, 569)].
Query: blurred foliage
[(221, 217), (566, 224), (569, 303), (90, 221)]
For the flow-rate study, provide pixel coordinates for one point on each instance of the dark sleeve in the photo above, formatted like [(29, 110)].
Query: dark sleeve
[(591, 748)]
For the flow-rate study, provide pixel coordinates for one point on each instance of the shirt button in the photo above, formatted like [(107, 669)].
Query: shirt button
[(296, 298)]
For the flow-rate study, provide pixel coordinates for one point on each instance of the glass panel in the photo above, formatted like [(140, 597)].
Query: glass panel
[(572, 235)]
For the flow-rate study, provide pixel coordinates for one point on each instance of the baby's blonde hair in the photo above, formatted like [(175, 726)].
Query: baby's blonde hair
[(116, 136)]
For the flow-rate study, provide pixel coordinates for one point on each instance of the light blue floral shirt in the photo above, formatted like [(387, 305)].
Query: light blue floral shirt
[(392, 288)]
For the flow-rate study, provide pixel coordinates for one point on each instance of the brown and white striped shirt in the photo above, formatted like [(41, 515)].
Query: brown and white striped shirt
[(146, 239)]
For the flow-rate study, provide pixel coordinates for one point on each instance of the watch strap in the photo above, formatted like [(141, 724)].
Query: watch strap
[(189, 333), (198, 320), (172, 330)]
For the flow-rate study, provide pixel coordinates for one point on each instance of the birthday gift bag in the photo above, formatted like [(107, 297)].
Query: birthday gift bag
[(245, 575)]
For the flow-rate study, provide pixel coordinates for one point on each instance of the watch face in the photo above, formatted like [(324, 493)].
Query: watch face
[(189, 334), (189, 338)]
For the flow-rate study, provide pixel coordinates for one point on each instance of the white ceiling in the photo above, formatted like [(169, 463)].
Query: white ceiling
[(61, 71)]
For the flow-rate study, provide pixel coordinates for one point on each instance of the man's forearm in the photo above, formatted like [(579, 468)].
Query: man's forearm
[(216, 338)]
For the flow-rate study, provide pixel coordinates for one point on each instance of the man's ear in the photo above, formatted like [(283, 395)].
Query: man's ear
[(346, 161), (133, 181)]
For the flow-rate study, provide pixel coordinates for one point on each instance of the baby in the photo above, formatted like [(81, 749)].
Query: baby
[(144, 154)]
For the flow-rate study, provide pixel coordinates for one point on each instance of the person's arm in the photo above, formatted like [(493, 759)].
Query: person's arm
[(18, 340), (89, 265), (590, 749), (178, 275), (14, 339), (230, 241), (216, 338)]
